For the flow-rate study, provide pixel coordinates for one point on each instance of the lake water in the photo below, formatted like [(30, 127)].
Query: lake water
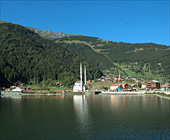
[(92, 117)]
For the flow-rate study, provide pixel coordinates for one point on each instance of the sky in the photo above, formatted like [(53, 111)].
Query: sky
[(133, 21)]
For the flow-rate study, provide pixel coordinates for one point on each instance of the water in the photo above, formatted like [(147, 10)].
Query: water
[(79, 117)]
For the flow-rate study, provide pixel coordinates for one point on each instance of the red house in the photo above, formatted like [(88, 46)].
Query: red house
[(165, 86), (153, 84)]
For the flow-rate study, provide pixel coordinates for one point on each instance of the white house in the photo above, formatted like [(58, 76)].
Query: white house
[(115, 86), (143, 85), (17, 89), (78, 88)]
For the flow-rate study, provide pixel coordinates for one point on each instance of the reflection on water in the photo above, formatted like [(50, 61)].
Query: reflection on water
[(82, 114), (14, 106), (84, 117)]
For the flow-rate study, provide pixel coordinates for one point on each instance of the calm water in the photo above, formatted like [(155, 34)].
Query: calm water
[(84, 117)]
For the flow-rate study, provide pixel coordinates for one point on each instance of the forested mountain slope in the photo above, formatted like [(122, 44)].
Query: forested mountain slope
[(142, 60), (26, 56)]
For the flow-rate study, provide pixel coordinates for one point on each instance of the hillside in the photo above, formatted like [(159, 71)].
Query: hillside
[(25, 56), (142, 60)]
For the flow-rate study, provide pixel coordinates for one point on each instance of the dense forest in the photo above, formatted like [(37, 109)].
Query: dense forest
[(27, 57), (143, 60)]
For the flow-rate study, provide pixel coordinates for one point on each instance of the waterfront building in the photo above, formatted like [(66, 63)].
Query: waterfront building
[(165, 86), (17, 89), (115, 86), (79, 86), (126, 86), (153, 84), (143, 85)]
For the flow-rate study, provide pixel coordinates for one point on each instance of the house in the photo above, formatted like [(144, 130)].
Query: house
[(125, 86), (22, 87), (7, 89), (153, 84), (115, 86), (133, 85), (29, 90), (114, 81), (60, 91), (143, 85), (89, 86), (165, 86), (17, 89)]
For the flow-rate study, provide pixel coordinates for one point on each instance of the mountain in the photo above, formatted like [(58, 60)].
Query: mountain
[(142, 60), (25, 56), (47, 34)]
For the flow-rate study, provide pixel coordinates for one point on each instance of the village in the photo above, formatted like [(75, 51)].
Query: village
[(128, 83), (105, 83)]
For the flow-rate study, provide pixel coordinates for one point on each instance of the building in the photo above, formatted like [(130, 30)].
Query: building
[(29, 90), (115, 86), (143, 85), (153, 84), (18, 89), (79, 86), (125, 86), (165, 86)]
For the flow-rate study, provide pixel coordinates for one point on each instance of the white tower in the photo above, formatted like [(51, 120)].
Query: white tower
[(85, 75), (79, 86), (84, 87), (81, 77)]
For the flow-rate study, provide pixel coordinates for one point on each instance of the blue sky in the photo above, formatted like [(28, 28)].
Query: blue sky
[(121, 21)]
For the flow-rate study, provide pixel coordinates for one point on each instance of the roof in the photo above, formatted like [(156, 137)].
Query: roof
[(155, 81), (143, 83), (22, 87), (116, 84), (165, 85), (133, 85), (17, 89)]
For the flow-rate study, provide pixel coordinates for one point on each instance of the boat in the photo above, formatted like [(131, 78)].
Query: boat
[(97, 91)]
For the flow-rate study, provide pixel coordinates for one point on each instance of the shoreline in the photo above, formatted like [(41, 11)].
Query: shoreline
[(138, 93), (103, 93), (123, 93)]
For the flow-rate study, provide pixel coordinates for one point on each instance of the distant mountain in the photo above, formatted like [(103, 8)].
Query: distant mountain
[(47, 34), (25, 56), (142, 60)]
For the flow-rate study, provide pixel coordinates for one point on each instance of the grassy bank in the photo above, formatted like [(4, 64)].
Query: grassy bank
[(46, 88)]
